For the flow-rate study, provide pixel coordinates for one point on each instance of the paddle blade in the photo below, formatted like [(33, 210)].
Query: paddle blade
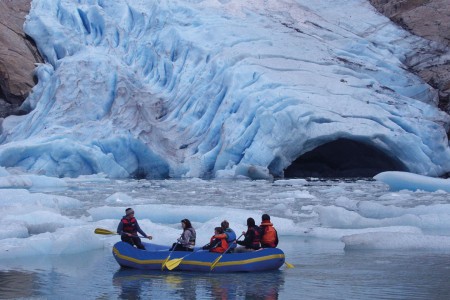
[(104, 231), (289, 266), (164, 263), (214, 263), (173, 263)]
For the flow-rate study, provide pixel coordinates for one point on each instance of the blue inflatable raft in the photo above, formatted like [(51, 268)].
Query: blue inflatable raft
[(155, 256)]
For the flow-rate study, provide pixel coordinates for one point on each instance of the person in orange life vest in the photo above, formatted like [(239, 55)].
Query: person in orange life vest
[(128, 229), (269, 237), (228, 234), (252, 237), (186, 241), (219, 245)]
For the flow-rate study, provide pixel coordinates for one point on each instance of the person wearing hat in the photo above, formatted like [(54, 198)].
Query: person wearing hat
[(128, 229)]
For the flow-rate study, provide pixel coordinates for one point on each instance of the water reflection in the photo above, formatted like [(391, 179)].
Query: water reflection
[(136, 284), (17, 284)]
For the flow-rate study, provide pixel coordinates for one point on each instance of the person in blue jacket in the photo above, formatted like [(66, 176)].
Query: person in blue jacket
[(128, 229), (228, 234), (231, 235)]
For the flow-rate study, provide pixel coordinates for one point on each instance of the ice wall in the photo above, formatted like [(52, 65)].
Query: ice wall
[(218, 88)]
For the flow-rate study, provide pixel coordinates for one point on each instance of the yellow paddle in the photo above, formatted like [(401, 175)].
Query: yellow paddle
[(104, 231), (173, 263), (109, 232), (288, 265), (164, 264), (214, 263)]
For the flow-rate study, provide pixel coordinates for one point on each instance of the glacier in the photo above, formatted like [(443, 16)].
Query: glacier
[(192, 88)]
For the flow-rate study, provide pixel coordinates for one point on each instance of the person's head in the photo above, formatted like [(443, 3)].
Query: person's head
[(224, 224), (218, 230), (129, 212), (265, 217), (185, 223), (250, 222)]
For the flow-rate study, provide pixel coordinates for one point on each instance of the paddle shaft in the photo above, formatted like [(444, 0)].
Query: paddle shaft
[(138, 235), (109, 232), (214, 263), (167, 259), (173, 263)]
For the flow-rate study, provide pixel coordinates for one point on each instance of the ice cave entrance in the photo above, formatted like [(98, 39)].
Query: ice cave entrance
[(343, 158)]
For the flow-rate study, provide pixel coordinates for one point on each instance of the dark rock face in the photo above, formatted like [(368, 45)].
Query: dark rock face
[(18, 56), (429, 19)]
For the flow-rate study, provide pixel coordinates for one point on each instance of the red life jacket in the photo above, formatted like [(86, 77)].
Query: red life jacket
[(256, 243), (129, 225), (223, 245), (270, 236)]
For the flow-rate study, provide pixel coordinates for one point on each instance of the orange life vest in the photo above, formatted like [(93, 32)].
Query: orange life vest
[(270, 236), (222, 247)]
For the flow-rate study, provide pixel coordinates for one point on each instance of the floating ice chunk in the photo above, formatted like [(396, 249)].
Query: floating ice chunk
[(395, 241), (119, 198), (42, 221), (288, 182), (20, 198), (338, 234), (408, 181), (33, 182), (253, 172), (338, 217), (14, 230), (64, 241), (347, 203)]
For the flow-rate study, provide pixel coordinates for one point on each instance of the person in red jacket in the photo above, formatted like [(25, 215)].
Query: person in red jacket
[(128, 229), (218, 242), (269, 237), (252, 237)]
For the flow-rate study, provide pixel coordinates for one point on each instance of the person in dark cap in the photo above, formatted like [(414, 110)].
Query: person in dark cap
[(269, 237), (128, 229), (252, 237)]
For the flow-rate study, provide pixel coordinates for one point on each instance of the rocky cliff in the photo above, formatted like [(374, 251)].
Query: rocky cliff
[(429, 19), (18, 56)]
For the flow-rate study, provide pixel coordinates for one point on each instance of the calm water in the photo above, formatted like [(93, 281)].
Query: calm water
[(323, 270)]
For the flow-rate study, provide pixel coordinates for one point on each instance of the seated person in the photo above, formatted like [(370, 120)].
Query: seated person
[(218, 242), (229, 235), (186, 241), (128, 229), (252, 237), (269, 234)]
